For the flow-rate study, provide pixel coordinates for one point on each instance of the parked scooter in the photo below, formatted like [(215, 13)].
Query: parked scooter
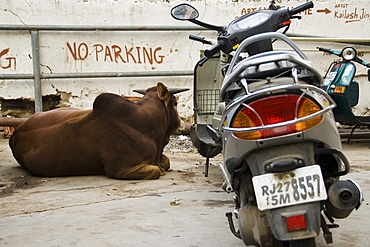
[(344, 90), (281, 147)]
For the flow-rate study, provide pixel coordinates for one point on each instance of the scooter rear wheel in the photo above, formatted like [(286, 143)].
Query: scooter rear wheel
[(253, 224), (308, 242), (255, 230)]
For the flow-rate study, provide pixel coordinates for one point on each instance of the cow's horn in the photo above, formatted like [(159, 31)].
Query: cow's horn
[(171, 90), (175, 90), (140, 91)]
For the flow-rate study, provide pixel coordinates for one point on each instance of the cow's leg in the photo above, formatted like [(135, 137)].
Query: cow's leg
[(165, 162), (141, 171)]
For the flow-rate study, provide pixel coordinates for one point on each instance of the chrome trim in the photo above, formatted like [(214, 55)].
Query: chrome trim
[(227, 183), (299, 100), (236, 68), (245, 85), (361, 199), (259, 37), (271, 56), (295, 75), (254, 111)]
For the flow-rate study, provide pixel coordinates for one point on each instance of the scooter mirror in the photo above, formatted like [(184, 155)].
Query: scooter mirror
[(184, 12), (368, 75)]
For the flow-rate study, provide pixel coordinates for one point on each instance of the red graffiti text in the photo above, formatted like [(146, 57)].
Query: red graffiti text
[(7, 62), (116, 53)]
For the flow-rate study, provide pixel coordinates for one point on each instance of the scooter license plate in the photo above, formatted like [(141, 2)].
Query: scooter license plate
[(302, 185)]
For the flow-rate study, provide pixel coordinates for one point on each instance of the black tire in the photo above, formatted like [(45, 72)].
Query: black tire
[(308, 242), (253, 224), (264, 233)]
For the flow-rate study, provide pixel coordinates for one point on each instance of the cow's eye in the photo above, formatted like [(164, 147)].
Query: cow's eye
[(175, 104)]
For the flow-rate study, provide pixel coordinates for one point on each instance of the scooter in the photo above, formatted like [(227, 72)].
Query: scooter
[(275, 126), (343, 89)]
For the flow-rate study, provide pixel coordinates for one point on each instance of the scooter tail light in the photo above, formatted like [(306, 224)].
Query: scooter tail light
[(274, 110), (308, 107), (295, 223), (244, 119)]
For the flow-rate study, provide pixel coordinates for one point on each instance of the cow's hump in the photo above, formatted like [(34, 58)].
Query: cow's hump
[(108, 102)]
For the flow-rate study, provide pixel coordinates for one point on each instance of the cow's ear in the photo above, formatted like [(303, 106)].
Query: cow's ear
[(163, 93)]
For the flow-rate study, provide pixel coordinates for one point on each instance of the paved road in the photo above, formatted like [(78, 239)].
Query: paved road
[(183, 208)]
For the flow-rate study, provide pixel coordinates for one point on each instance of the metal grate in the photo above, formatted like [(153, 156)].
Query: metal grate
[(207, 100)]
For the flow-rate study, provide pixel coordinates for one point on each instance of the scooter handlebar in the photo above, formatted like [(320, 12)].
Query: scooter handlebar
[(324, 49), (214, 49), (338, 53), (301, 8), (200, 39), (334, 52)]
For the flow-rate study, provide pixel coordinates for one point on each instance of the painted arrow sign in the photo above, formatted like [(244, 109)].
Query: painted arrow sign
[(326, 11)]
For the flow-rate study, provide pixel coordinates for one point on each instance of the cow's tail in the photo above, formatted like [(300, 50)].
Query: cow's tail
[(10, 124)]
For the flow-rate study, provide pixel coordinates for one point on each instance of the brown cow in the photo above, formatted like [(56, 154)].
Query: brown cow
[(118, 137)]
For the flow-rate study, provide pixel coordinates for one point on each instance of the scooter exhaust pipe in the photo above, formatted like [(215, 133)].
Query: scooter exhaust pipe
[(344, 196)]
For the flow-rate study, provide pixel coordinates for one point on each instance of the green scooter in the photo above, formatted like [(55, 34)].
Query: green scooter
[(342, 87)]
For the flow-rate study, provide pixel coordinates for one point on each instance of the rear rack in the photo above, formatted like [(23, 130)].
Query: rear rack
[(269, 64)]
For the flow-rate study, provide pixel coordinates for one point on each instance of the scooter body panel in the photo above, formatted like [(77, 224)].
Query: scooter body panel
[(344, 90), (341, 75)]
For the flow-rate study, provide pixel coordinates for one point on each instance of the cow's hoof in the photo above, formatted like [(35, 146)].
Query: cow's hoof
[(165, 163)]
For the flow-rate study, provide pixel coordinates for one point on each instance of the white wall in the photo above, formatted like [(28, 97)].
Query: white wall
[(74, 52)]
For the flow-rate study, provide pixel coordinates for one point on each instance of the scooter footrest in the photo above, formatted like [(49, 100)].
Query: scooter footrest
[(333, 225), (328, 238)]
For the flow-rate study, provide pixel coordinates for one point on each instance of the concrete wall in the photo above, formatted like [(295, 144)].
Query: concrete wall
[(140, 51)]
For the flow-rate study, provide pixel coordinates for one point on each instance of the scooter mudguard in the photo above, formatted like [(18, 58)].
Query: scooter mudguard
[(295, 222), (343, 112), (253, 230)]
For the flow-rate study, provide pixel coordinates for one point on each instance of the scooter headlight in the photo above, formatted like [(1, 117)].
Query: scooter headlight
[(349, 53), (274, 110)]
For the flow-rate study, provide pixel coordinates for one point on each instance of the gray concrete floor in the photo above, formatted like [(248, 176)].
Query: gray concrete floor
[(182, 208)]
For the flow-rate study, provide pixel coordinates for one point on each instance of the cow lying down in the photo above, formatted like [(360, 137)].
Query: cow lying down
[(118, 137)]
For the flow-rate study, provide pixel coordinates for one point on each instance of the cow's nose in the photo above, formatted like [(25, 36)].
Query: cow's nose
[(181, 126)]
